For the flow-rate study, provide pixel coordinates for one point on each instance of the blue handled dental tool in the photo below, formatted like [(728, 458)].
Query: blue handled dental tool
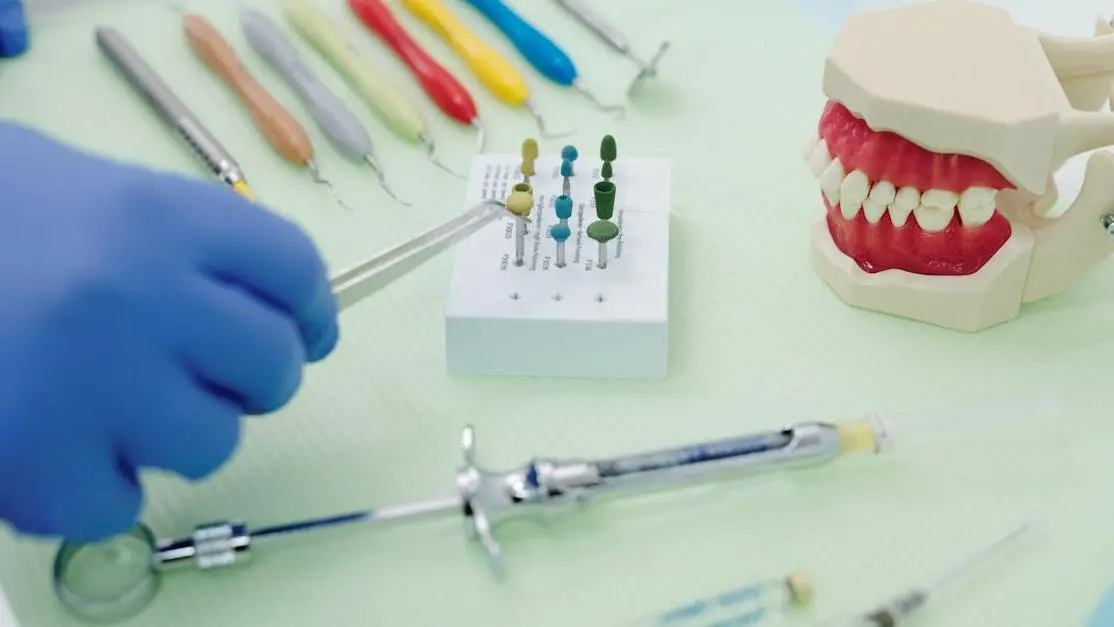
[(539, 50)]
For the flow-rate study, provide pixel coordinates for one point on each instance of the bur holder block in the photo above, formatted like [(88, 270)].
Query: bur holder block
[(578, 321)]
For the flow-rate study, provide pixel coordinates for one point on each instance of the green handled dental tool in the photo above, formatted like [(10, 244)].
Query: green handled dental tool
[(397, 111)]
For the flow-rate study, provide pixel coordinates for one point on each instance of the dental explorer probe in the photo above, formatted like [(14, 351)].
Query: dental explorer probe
[(335, 119), (281, 130), (442, 87), (538, 49), (616, 40), (393, 107), (494, 71), (172, 110)]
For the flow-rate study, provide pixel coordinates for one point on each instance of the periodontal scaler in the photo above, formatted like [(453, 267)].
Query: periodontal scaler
[(340, 125), (442, 87), (538, 49), (397, 111), (497, 74)]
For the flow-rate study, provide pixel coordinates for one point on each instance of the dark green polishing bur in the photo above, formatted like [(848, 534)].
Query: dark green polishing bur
[(608, 150), (605, 199)]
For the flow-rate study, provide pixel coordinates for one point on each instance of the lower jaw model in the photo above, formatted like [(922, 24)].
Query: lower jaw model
[(941, 236)]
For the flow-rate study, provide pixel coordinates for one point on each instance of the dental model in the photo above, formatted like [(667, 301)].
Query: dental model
[(935, 153)]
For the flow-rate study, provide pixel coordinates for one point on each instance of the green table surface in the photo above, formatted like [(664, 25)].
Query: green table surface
[(757, 341)]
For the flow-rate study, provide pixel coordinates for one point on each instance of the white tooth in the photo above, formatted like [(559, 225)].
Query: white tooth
[(936, 210), (940, 199), (810, 145), (883, 193), (852, 193), (976, 205), (873, 211), (906, 199), (819, 160), (831, 179)]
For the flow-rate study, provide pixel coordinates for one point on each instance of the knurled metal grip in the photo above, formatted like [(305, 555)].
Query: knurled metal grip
[(215, 545)]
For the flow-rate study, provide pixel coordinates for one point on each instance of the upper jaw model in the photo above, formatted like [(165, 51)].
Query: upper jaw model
[(935, 153)]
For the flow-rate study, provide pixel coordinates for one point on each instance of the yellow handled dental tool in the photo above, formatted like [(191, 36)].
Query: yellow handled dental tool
[(492, 69), (397, 111)]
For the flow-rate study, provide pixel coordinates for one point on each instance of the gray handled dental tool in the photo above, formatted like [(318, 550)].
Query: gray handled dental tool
[(158, 95), (612, 37), (334, 118)]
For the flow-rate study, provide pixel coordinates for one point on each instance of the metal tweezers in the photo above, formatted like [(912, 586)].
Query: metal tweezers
[(366, 278)]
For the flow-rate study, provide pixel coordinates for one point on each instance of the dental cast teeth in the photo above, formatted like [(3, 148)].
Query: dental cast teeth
[(831, 180), (976, 205), (882, 195), (936, 210), (852, 192), (933, 210), (904, 203), (819, 159)]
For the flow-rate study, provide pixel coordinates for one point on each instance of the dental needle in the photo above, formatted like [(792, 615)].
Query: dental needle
[(497, 74), (442, 87), (284, 133), (335, 119), (392, 106), (896, 610), (171, 109)]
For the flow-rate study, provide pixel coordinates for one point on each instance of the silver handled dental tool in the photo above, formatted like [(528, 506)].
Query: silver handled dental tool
[(162, 99), (616, 40), (329, 112), (115, 579)]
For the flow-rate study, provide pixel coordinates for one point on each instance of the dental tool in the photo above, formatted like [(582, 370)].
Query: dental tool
[(282, 131), (538, 49), (333, 117), (162, 99), (617, 41), (134, 563), (496, 73), (391, 105), (113, 580), (442, 87), (896, 610), (739, 607)]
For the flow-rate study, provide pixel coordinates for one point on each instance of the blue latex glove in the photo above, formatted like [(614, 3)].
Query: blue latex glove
[(141, 315), (1103, 614), (13, 29)]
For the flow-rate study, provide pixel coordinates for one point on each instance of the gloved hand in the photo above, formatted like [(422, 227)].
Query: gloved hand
[(13, 28), (1103, 614), (141, 315)]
